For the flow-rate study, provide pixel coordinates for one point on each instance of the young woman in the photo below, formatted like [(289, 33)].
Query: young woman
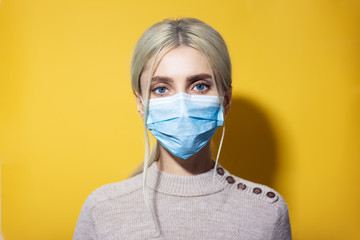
[(181, 78)]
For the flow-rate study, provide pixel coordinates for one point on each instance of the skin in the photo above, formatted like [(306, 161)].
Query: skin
[(177, 65)]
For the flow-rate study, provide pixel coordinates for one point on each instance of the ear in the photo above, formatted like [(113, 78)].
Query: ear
[(140, 106), (227, 100)]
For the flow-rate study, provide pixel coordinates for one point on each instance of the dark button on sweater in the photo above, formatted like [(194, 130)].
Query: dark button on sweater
[(241, 186), (270, 194), (220, 171), (230, 179), (257, 190)]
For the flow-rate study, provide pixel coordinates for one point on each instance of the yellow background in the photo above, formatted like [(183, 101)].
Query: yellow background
[(68, 119)]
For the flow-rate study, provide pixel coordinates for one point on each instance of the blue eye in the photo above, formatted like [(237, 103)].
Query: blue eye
[(161, 90), (200, 87)]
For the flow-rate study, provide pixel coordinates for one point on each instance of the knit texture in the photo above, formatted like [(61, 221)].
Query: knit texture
[(187, 207)]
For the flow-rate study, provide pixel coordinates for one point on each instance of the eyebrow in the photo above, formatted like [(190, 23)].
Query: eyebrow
[(190, 78)]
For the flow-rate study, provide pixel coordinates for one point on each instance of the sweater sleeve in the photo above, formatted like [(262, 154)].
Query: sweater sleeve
[(85, 226), (282, 229)]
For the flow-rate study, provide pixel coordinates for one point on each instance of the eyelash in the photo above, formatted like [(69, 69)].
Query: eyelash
[(197, 84), (158, 88), (203, 84)]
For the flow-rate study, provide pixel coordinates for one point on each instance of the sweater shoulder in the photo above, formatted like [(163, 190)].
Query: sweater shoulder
[(257, 191), (248, 189), (263, 201), (114, 190)]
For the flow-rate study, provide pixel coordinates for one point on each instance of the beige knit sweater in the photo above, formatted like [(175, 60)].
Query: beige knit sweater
[(187, 207)]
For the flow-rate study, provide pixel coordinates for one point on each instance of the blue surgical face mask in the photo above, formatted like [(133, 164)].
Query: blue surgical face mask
[(183, 123)]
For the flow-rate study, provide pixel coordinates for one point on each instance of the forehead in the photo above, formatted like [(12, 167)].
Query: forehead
[(181, 61)]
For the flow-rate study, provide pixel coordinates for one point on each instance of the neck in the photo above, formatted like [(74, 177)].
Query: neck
[(198, 163)]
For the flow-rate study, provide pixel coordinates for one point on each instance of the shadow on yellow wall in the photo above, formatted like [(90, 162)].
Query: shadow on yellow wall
[(250, 148)]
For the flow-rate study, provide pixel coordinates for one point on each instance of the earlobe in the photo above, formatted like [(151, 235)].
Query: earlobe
[(140, 106)]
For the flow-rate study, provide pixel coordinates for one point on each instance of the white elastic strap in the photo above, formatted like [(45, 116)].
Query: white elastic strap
[(218, 154)]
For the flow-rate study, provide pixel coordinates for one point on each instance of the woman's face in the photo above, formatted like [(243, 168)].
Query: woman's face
[(182, 69)]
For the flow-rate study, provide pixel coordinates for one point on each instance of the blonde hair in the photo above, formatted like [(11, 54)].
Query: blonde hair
[(158, 40)]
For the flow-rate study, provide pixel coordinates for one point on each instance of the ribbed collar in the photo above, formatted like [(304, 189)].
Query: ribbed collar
[(180, 185)]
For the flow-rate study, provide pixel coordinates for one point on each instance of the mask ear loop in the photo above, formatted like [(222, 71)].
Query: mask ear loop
[(220, 145), (223, 111)]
